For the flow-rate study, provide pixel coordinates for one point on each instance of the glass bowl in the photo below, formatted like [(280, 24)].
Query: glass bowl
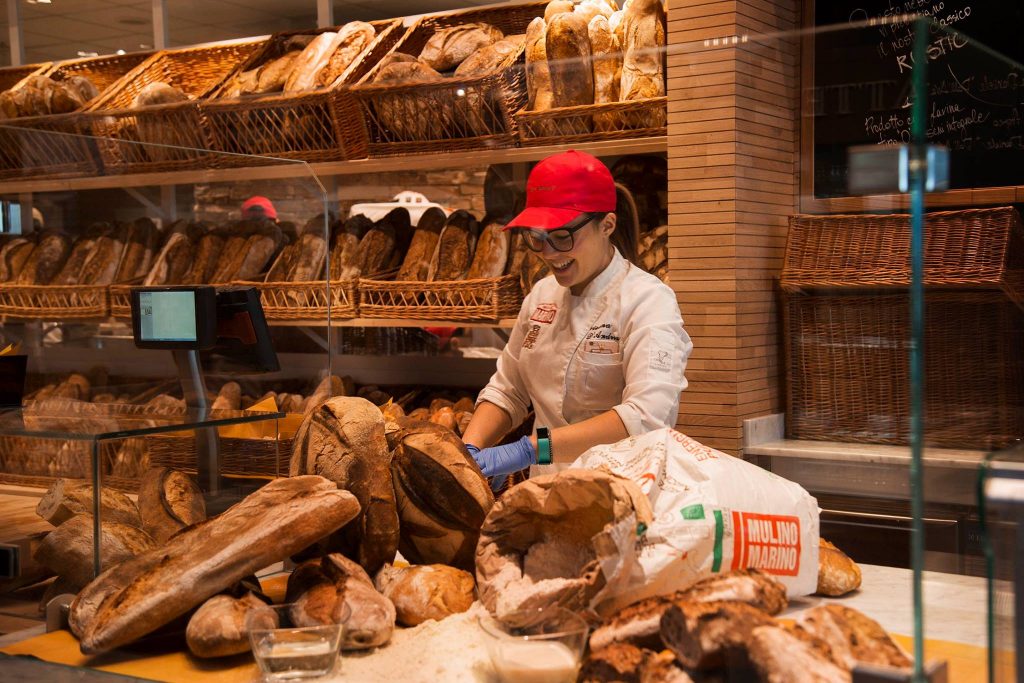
[(285, 651), (547, 648)]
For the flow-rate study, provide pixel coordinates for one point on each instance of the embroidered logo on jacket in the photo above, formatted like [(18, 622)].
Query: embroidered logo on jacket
[(531, 337), (544, 313)]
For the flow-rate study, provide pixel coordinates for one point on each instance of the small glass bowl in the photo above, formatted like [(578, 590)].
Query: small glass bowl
[(547, 648), (286, 652)]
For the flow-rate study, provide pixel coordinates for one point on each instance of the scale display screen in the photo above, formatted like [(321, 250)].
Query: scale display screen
[(167, 316)]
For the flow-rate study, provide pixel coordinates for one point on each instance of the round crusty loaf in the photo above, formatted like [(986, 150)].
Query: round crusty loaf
[(66, 498), (449, 47), (68, 550), (343, 440), (169, 501), (218, 628), (837, 573), (425, 592)]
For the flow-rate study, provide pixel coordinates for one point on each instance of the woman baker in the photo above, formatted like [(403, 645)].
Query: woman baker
[(599, 348)]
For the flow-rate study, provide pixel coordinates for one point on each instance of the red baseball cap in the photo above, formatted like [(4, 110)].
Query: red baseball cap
[(256, 207), (562, 187)]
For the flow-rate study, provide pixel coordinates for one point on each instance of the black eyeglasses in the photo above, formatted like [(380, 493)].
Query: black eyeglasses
[(560, 239)]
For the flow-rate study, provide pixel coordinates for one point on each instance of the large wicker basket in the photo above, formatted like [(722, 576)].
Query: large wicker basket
[(847, 364), (11, 76), (53, 302), (308, 300), (239, 457), (319, 125), (175, 136), (971, 248), (57, 146), (453, 114), (592, 122), (484, 300)]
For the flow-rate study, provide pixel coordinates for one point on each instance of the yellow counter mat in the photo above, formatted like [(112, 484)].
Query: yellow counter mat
[(967, 663)]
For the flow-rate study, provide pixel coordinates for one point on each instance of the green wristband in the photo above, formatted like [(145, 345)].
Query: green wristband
[(543, 446)]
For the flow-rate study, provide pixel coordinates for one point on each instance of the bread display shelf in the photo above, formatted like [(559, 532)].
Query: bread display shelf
[(631, 119), (55, 146), (176, 135), (49, 302), (317, 125), (451, 114), (483, 300), (307, 301), (239, 457)]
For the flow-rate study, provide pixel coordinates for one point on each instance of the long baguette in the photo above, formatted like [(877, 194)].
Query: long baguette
[(130, 600)]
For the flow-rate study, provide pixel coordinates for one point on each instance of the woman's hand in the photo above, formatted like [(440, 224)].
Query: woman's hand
[(501, 461)]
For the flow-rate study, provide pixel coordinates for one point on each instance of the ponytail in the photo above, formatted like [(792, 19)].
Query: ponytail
[(626, 236)]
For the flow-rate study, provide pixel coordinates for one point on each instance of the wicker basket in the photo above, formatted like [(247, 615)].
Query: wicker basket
[(972, 248), (307, 300), (453, 114), (13, 75), (53, 302), (319, 125), (847, 362), (591, 122), (484, 300), (57, 146), (175, 135), (120, 299), (239, 457), (37, 461)]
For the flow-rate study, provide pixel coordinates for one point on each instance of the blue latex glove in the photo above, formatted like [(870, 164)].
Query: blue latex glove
[(501, 461)]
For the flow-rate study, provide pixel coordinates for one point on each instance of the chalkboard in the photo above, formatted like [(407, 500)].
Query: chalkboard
[(975, 106)]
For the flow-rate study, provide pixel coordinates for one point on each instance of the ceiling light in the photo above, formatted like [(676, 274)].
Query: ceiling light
[(120, 52), (38, 2), (144, 46), (83, 53)]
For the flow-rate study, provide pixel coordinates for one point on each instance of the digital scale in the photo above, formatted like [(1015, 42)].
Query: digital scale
[(225, 326)]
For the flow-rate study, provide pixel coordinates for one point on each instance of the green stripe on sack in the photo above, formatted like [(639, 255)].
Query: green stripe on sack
[(716, 564)]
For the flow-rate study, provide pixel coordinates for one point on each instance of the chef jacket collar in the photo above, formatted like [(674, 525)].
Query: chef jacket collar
[(605, 278)]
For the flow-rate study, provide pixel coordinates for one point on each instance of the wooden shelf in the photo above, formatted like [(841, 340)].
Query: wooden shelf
[(338, 168), (900, 203)]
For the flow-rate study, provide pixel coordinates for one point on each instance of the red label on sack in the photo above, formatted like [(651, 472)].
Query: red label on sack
[(544, 313), (767, 542)]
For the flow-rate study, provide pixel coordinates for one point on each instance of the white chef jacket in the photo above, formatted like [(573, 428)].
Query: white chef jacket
[(620, 345)]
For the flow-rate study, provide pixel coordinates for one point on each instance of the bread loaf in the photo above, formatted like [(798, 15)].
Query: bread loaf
[(491, 58), (454, 252), (853, 638), (425, 592), (9, 268), (68, 550), (354, 38), (441, 494), (643, 74), (218, 628), (491, 255), (618, 30), (66, 498), (607, 60), (273, 75), (837, 573), (138, 251), (169, 501), (158, 92), (406, 118), (71, 272), (448, 47), (139, 596), (310, 61), (322, 589), (84, 88), (567, 48), (228, 398), (343, 439), (329, 386), (557, 7), (345, 249), (45, 260), (171, 264), (204, 261), (416, 264), (310, 258), (101, 266), (376, 248), (533, 270), (259, 250), (538, 74), (284, 265)]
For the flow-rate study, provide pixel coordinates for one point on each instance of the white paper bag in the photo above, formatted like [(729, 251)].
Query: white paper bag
[(713, 513)]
